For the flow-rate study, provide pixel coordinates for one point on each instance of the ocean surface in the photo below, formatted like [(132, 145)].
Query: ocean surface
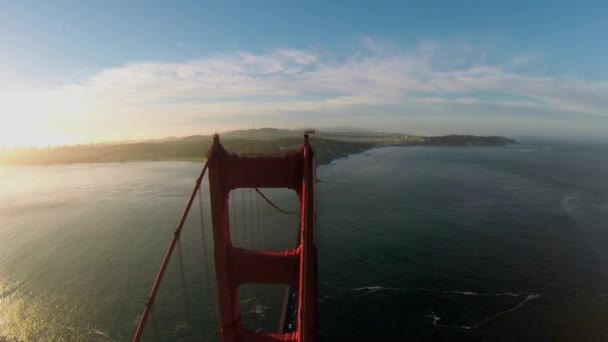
[(416, 243)]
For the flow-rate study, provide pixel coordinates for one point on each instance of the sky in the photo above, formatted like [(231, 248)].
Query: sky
[(82, 71)]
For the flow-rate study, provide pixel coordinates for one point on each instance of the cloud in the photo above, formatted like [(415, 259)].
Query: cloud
[(430, 79), (380, 76)]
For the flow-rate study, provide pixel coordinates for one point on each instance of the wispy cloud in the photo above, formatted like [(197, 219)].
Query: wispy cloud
[(429, 79)]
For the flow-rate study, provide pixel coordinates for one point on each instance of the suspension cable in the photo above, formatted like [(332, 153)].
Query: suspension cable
[(167, 257), (183, 276), (203, 238), (272, 204)]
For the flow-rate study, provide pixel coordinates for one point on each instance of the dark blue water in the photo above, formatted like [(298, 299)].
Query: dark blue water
[(506, 243), (465, 244)]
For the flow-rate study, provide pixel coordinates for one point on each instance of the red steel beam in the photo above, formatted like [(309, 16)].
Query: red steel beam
[(234, 266), (307, 294), (262, 171), (251, 336), (266, 267)]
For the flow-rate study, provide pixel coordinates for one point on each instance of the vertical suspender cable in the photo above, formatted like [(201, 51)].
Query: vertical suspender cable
[(268, 215), (256, 218), (245, 231), (252, 219), (234, 232), (270, 219), (207, 279), (267, 223), (183, 275), (154, 327), (261, 239)]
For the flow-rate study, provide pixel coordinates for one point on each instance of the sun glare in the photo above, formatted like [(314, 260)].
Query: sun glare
[(38, 120)]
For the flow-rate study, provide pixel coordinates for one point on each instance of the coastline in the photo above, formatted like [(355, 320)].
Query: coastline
[(193, 149), (319, 162)]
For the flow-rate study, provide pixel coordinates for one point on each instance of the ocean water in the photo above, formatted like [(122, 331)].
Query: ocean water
[(418, 243)]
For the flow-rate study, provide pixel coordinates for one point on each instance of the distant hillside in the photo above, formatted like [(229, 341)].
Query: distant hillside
[(387, 139), (191, 148), (328, 146), (262, 134)]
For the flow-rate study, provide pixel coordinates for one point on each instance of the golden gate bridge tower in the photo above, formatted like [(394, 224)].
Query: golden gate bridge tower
[(236, 266)]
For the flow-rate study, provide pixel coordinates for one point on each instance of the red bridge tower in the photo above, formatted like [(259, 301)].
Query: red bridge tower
[(234, 266)]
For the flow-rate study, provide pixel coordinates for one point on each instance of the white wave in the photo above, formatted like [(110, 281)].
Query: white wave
[(366, 290), (519, 305), (435, 319), (528, 297), (7, 290), (249, 300), (90, 331), (181, 326), (369, 288), (532, 296), (567, 204), (100, 333), (259, 309), (373, 289), (472, 293), (322, 298), (466, 293), (510, 294), (378, 288)]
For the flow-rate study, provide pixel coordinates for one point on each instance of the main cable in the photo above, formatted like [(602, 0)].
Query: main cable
[(272, 204)]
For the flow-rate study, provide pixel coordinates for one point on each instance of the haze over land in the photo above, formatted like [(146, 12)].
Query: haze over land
[(328, 146)]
